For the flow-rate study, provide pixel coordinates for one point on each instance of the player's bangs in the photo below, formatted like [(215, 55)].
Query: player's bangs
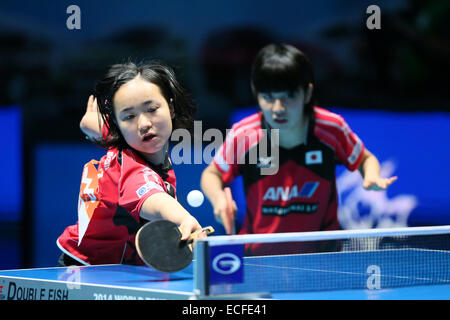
[(273, 78)]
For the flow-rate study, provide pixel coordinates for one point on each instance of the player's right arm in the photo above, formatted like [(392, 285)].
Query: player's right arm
[(92, 122), (370, 171), (160, 205), (212, 186)]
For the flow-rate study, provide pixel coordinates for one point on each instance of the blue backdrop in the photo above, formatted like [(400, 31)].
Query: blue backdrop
[(409, 145), (11, 186)]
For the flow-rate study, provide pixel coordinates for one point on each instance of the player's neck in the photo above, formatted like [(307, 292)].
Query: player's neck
[(295, 136), (158, 157)]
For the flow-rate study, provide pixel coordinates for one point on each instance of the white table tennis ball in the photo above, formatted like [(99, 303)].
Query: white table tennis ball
[(195, 198)]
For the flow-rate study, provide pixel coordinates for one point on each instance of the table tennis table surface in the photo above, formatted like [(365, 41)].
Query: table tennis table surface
[(125, 282)]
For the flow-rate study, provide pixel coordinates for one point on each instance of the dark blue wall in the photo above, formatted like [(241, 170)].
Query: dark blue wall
[(409, 146)]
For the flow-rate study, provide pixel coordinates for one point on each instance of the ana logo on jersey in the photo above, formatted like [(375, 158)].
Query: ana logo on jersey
[(287, 193)]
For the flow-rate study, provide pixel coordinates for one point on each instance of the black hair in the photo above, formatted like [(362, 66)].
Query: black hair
[(155, 72), (282, 67)]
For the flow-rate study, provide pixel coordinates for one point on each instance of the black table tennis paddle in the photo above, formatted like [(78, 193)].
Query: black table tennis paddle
[(159, 245)]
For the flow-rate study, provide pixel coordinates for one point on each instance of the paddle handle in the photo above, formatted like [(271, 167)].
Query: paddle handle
[(194, 235)]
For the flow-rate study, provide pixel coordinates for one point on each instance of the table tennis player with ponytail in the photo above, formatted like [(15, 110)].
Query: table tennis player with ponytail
[(134, 182)]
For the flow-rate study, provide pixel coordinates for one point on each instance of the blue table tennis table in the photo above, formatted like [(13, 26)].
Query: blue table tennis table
[(325, 276)]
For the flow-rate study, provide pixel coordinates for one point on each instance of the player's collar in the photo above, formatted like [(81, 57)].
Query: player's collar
[(310, 130), (163, 168)]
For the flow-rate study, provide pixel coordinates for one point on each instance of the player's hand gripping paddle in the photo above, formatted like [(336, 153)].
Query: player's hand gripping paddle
[(229, 222), (159, 245)]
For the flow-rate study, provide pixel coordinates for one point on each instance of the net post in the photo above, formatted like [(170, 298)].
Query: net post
[(201, 268)]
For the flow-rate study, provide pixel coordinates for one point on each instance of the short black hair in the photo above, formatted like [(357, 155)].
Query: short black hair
[(282, 67), (153, 71)]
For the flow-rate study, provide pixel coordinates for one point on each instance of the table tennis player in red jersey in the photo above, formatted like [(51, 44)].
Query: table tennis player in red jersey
[(301, 195), (134, 182)]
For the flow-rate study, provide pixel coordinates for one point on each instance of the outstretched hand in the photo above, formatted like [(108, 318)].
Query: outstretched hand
[(378, 183), (188, 226)]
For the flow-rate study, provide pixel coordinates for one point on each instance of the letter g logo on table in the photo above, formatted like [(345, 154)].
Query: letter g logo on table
[(226, 263)]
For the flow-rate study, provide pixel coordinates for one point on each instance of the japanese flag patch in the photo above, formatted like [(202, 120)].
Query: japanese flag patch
[(313, 157)]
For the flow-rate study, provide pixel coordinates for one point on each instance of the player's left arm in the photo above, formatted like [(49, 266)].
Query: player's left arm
[(91, 123), (370, 170)]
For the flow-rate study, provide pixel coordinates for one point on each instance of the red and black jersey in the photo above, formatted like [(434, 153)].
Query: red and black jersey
[(111, 194), (302, 195)]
